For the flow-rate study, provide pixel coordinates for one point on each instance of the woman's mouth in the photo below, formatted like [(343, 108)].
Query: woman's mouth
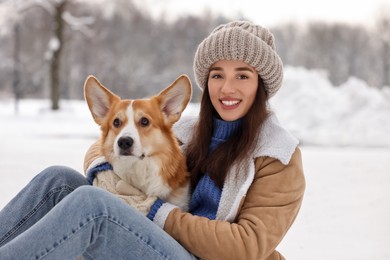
[(230, 104)]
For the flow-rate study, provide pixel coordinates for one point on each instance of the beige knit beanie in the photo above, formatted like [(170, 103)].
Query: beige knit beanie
[(241, 41)]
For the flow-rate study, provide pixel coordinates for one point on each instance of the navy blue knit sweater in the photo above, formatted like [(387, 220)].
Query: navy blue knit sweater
[(206, 196)]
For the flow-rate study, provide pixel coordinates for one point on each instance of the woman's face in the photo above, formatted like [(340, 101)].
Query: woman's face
[(232, 88)]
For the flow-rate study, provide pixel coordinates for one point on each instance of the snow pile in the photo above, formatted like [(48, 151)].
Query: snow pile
[(353, 114)]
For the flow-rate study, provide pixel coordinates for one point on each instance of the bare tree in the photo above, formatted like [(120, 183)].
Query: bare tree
[(16, 69), (57, 47), (383, 33), (56, 10)]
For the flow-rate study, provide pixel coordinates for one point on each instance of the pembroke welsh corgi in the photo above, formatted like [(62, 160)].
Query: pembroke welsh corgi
[(138, 140)]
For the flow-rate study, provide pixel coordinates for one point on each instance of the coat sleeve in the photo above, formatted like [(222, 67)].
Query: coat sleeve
[(93, 153), (268, 210)]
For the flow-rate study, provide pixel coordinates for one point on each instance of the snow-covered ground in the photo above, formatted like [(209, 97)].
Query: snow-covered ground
[(345, 136)]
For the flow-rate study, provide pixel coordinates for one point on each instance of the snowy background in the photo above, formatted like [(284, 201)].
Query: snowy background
[(345, 141)]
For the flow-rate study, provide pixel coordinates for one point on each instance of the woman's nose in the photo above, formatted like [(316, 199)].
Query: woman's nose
[(228, 87)]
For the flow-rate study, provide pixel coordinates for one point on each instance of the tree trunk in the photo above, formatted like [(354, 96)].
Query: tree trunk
[(16, 73), (55, 62), (386, 64)]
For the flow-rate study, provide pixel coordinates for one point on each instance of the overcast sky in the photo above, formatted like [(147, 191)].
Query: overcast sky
[(272, 12)]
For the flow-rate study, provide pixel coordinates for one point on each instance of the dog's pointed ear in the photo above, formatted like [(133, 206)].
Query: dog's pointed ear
[(99, 99), (175, 98)]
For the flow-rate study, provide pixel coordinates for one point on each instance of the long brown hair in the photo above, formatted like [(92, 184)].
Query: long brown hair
[(241, 144)]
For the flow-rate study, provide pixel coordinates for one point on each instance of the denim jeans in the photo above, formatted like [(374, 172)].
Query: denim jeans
[(59, 216)]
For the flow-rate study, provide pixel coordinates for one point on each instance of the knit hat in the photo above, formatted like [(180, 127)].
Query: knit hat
[(241, 41)]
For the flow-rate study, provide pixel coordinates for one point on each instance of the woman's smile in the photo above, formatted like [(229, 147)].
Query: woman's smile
[(230, 103)]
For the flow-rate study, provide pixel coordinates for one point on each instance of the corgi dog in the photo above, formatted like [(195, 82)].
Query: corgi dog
[(138, 142)]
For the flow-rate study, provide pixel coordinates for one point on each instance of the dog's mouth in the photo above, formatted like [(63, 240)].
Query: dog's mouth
[(129, 153), (125, 153)]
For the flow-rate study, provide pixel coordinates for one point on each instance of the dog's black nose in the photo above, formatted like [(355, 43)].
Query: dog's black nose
[(125, 142)]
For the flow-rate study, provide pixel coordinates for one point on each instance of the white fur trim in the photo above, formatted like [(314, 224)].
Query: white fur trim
[(183, 129), (275, 141), (234, 189), (96, 162), (162, 214)]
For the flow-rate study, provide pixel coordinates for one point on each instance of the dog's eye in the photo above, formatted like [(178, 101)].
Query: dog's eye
[(144, 121), (117, 122)]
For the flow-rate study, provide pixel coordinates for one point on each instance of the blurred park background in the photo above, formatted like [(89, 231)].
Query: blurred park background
[(48, 47)]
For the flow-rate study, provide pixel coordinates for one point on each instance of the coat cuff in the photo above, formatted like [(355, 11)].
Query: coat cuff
[(92, 172), (154, 208), (162, 214), (96, 162)]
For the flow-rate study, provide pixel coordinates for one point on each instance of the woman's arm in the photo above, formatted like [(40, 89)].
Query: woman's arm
[(93, 153), (269, 209)]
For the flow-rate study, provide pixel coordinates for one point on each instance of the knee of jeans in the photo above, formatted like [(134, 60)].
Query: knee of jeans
[(90, 197), (62, 175)]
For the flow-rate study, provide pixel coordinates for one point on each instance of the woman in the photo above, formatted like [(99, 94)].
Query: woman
[(246, 176)]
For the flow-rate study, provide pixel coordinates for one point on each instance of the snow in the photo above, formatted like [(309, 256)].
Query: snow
[(345, 143), (53, 46), (345, 213), (321, 114)]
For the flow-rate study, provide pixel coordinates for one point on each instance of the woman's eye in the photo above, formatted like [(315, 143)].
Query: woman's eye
[(243, 77), (144, 121), (117, 122), (215, 76)]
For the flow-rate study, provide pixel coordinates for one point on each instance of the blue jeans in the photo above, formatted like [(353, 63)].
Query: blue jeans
[(59, 216)]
